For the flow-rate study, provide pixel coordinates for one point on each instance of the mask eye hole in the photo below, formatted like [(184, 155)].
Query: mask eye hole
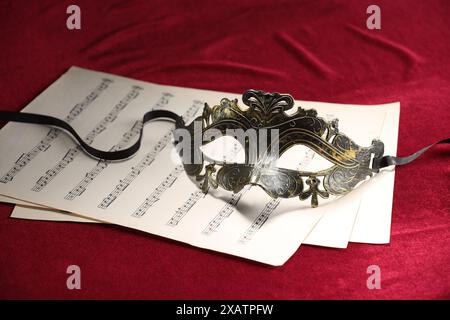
[(302, 158), (224, 149)]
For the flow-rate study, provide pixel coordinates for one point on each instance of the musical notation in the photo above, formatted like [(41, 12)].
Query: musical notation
[(102, 164), (184, 209), (262, 217), (127, 137), (195, 197), (163, 101), (193, 109), (101, 126), (145, 161), (225, 212), (159, 190), (52, 134), (135, 171), (270, 207)]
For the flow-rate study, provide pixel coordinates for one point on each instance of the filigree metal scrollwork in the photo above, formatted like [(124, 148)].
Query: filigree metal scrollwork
[(351, 164)]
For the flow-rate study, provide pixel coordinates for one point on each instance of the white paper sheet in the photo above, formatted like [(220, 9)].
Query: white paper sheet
[(37, 213), (370, 227), (150, 192)]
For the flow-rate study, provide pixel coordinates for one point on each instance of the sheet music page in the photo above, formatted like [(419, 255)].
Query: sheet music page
[(375, 227), (150, 191)]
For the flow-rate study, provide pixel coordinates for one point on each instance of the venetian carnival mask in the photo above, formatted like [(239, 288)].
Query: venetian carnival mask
[(351, 163), (284, 127)]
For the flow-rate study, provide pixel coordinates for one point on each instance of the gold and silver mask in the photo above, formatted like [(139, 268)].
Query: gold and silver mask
[(276, 127), (351, 163)]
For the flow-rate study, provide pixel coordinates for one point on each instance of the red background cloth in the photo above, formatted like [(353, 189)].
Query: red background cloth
[(315, 50)]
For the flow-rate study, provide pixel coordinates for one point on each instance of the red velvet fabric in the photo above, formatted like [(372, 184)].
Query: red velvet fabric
[(316, 50)]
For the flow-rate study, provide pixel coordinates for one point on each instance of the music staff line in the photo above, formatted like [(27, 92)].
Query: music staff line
[(146, 161), (102, 164), (101, 126), (89, 177), (158, 192), (194, 197), (270, 207), (224, 212), (181, 212), (43, 145), (260, 220)]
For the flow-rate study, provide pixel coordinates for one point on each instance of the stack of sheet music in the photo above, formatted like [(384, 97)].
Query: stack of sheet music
[(49, 177)]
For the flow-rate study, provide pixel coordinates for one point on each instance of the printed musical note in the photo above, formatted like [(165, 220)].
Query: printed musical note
[(52, 134), (156, 194), (259, 221), (225, 212), (44, 180), (184, 209), (101, 165), (265, 213), (145, 162)]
